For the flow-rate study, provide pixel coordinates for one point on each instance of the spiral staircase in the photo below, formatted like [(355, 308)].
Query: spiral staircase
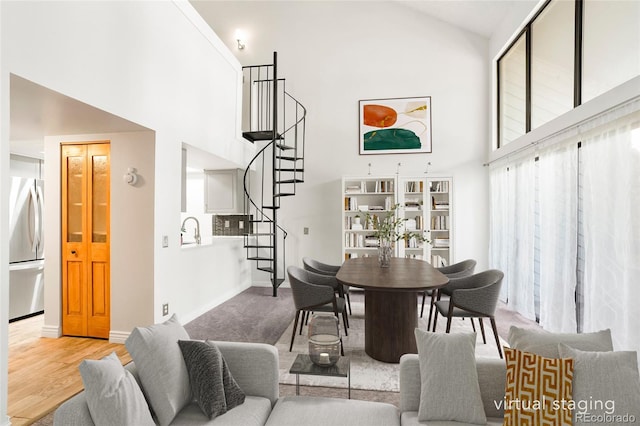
[(276, 124)]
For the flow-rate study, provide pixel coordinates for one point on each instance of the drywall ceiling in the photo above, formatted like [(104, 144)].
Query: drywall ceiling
[(477, 16)]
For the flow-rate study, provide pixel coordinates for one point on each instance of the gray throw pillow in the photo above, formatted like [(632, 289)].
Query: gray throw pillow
[(212, 385), (449, 379), (161, 368), (112, 393), (546, 344), (606, 386)]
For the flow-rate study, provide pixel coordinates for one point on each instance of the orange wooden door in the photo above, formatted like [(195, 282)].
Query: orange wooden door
[(85, 240)]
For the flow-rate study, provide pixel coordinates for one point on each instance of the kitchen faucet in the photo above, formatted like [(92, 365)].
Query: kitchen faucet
[(196, 234)]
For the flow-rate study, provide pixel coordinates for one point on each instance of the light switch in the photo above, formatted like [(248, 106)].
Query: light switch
[(226, 223), (165, 241), (241, 224), (306, 231)]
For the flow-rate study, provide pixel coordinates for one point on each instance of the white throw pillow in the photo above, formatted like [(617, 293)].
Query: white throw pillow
[(161, 368), (546, 344), (449, 379), (112, 393), (606, 386)]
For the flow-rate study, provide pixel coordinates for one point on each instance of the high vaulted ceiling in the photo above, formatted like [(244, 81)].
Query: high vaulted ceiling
[(478, 16)]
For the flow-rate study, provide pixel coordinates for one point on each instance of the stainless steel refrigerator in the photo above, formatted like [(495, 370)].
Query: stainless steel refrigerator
[(26, 248)]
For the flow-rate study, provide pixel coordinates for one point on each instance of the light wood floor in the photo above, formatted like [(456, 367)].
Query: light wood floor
[(43, 372)]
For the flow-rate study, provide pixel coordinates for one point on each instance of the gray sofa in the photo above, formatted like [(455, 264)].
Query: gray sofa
[(254, 366), (491, 378)]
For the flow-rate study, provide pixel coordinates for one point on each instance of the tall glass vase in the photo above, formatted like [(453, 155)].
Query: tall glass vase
[(384, 253)]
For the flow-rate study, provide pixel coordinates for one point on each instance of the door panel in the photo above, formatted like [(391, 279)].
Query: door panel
[(85, 230)]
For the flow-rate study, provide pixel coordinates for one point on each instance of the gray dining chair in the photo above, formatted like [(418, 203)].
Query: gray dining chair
[(326, 269), (457, 270), (314, 293), (475, 296)]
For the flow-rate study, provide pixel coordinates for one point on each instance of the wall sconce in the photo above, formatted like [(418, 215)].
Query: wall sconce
[(240, 38), (131, 176)]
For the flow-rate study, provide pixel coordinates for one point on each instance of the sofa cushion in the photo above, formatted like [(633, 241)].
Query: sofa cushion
[(318, 411), (410, 418), (448, 374), (212, 385), (546, 344), (535, 386), (604, 384), (254, 412), (161, 368), (112, 393)]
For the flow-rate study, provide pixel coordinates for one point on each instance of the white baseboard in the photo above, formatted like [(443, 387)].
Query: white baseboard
[(52, 331), (118, 336), (6, 422)]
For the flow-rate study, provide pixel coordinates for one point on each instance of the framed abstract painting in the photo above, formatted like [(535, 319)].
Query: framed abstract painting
[(395, 126)]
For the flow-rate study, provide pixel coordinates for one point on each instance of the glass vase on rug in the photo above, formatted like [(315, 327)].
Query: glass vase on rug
[(385, 251)]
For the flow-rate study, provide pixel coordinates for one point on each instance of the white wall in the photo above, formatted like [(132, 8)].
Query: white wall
[(158, 65), (334, 54)]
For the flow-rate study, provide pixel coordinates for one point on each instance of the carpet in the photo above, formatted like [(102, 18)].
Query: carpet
[(366, 372), (251, 316)]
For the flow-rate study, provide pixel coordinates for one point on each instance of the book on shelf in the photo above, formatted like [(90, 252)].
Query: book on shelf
[(350, 203), (412, 203), (440, 242), (384, 186), (439, 186), (440, 223), (438, 261), (413, 186)]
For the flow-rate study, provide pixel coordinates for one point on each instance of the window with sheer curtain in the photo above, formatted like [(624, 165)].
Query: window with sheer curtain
[(587, 197), (611, 210), (512, 233)]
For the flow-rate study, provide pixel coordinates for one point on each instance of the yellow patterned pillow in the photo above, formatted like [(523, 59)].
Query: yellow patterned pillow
[(538, 390)]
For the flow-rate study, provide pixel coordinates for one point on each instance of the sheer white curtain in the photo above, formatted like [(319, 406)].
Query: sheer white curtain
[(498, 215), (558, 209), (611, 159), (512, 233)]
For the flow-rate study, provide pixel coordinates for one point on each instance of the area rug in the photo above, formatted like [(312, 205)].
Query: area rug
[(366, 372)]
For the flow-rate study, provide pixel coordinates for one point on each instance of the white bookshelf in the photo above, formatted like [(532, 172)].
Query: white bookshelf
[(441, 221), (424, 201), (361, 195)]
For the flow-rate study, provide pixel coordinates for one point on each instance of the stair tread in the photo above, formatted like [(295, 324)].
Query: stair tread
[(259, 258), (260, 268), (284, 194), (286, 157), (285, 147), (260, 135), (271, 207), (257, 246), (257, 234), (278, 281), (288, 169), (291, 181)]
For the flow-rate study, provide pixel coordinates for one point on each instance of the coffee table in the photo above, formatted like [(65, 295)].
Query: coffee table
[(304, 365), (390, 301)]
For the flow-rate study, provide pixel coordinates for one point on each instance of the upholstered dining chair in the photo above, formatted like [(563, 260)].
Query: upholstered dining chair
[(457, 270), (314, 293), (475, 296), (326, 269)]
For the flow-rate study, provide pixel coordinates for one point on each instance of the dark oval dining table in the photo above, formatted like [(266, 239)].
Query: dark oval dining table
[(390, 301)]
